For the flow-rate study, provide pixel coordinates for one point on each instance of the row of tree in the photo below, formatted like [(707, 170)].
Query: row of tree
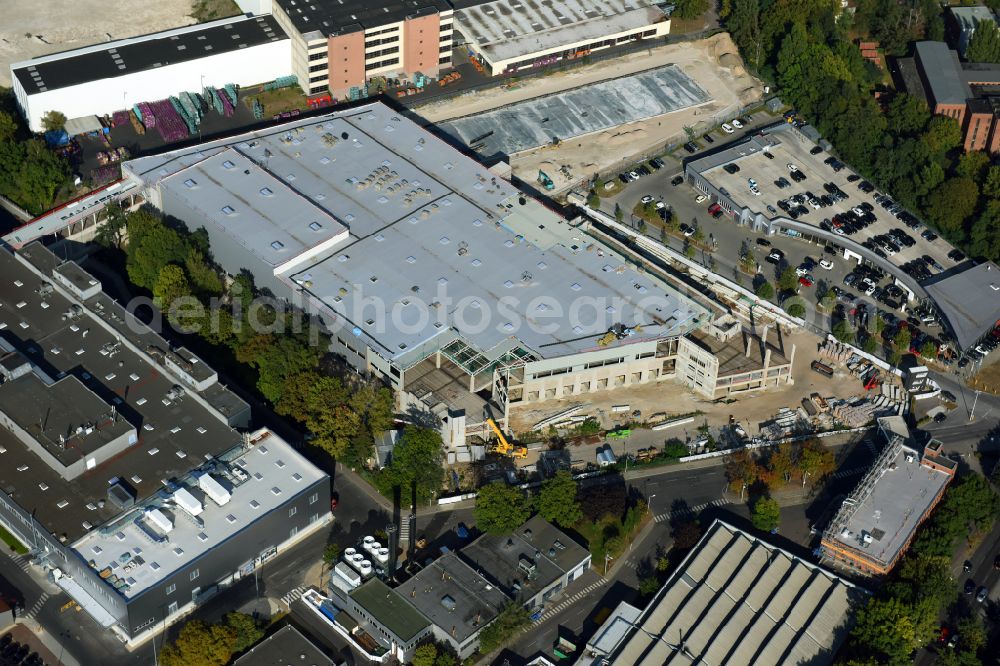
[(805, 46), (31, 175), (790, 462), (202, 644), (277, 349), (904, 615)]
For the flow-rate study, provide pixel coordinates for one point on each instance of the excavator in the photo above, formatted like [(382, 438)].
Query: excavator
[(503, 447)]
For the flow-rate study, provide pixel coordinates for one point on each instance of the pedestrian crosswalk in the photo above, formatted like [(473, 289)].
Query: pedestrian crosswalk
[(37, 606), (21, 561), (566, 603), (844, 473), (294, 594), (664, 517)]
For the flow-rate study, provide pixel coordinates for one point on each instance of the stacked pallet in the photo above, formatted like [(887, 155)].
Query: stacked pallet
[(834, 351)]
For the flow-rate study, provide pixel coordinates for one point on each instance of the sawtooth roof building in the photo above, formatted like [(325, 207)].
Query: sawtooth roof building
[(735, 599), (123, 467), (428, 269)]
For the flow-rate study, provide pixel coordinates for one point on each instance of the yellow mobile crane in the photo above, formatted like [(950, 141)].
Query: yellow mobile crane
[(503, 447)]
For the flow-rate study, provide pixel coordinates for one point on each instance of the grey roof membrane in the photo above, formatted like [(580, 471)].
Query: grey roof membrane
[(970, 301), (508, 29), (580, 111), (437, 241), (943, 73)]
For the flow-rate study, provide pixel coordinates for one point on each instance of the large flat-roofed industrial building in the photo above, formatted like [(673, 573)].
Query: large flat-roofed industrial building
[(122, 467), (512, 35), (101, 79), (878, 520), (736, 599), (428, 269)]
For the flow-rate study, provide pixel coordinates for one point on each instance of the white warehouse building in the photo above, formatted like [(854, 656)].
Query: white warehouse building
[(101, 79)]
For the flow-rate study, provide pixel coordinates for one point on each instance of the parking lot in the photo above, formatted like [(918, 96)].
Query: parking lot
[(775, 183), (853, 303)]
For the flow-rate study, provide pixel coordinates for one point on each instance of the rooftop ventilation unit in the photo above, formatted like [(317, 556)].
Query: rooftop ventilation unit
[(188, 502), (214, 489), (157, 517), (121, 496)]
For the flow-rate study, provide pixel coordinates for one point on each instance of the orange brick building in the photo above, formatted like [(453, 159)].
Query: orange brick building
[(875, 525), (338, 45), (967, 92)]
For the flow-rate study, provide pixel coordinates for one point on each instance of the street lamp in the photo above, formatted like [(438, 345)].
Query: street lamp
[(607, 558), (649, 503)]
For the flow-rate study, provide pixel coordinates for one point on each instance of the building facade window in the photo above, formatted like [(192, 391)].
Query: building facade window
[(171, 588), (292, 511), (314, 498), (194, 575)]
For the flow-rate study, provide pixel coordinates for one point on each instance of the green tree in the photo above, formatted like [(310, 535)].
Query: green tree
[(843, 331), (985, 232), (111, 232), (619, 213), (690, 9), (649, 585), (690, 250), (500, 509), (985, 43), (152, 245), (787, 279), (764, 290), (766, 514), (425, 655), (54, 120), (171, 284), (556, 501), (901, 341), (815, 461), (972, 165), (331, 554), (907, 115), (928, 349), (594, 200), (417, 461), (870, 344), (887, 626), (245, 630), (513, 618), (200, 644), (795, 308), (8, 126)]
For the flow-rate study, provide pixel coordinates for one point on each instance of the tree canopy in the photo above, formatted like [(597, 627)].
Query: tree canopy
[(766, 514), (984, 46), (201, 644), (556, 501), (417, 462), (500, 509)]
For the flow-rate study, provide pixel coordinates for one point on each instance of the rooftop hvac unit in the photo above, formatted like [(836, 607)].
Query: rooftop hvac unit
[(157, 517), (910, 457), (121, 496), (214, 489), (845, 534), (368, 540), (383, 555), (349, 553), (866, 537), (366, 568), (188, 502), (347, 574)]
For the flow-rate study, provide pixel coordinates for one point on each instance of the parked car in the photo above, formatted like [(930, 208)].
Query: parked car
[(996, 562), (736, 123), (677, 180), (763, 242), (731, 168), (646, 199), (656, 163), (708, 138), (727, 128), (826, 264), (700, 198), (771, 209), (806, 281), (690, 148), (816, 150), (982, 594)]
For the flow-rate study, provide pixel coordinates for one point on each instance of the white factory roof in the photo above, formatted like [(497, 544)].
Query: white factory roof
[(739, 600), (160, 536), (256, 209), (511, 29), (441, 242)]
